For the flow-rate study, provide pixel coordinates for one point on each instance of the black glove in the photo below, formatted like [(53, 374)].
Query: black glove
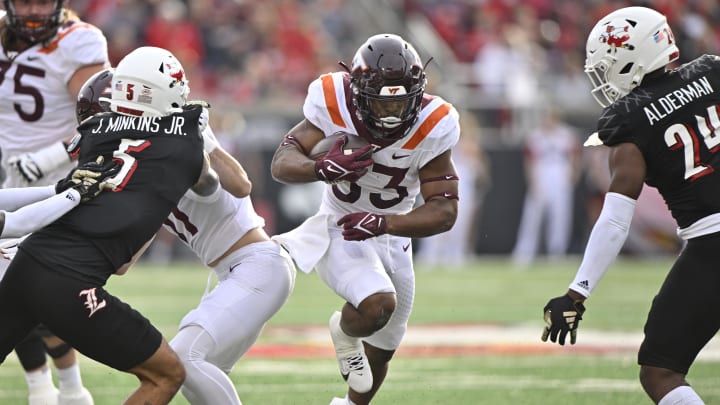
[(562, 315), (336, 166), (90, 178)]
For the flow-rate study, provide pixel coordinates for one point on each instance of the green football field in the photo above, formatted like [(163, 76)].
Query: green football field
[(473, 339)]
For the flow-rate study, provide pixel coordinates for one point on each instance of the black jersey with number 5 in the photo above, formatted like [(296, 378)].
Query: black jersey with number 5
[(675, 121), (161, 158)]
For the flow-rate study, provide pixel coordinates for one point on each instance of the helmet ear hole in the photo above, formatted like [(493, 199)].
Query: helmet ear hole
[(626, 69)]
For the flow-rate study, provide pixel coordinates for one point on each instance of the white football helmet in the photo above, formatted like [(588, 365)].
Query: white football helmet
[(623, 47), (149, 81)]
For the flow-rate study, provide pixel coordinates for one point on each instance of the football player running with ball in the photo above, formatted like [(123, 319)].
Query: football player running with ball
[(359, 242), (661, 126)]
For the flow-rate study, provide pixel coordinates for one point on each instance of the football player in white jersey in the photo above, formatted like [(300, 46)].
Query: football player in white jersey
[(255, 278), (216, 219), (359, 242), (47, 54)]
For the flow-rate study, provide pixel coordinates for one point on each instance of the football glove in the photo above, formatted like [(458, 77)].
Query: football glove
[(33, 166), (562, 315), (336, 166), (90, 179), (362, 225)]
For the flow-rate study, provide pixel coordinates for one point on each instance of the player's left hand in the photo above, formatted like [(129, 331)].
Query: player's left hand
[(362, 225), (562, 315)]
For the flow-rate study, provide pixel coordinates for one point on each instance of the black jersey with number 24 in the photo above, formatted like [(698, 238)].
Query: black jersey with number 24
[(675, 121), (161, 158)]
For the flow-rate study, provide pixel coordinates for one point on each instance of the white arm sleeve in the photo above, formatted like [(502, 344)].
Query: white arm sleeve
[(14, 198), (606, 239), (37, 215)]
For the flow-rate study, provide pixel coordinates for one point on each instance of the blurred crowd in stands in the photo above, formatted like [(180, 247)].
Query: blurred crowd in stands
[(508, 60)]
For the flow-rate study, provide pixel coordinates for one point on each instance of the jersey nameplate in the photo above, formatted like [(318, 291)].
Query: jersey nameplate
[(171, 125)]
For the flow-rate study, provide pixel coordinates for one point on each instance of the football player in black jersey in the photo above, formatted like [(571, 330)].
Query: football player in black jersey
[(58, 273), (662, 126)]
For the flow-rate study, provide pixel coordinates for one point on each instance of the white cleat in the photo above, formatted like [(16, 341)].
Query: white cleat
[(338, 401), (76, 397), (351, 357), (49, 397)]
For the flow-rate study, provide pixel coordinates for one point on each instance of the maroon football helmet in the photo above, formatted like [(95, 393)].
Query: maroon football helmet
[(388, 82), (88, 102), (34, 27)]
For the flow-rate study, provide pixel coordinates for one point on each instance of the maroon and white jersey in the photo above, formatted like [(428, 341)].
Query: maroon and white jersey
[(392, 184), (36, 108), (211, 224)]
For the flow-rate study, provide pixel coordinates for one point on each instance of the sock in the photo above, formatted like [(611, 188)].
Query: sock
[(69, 378), (39, 380), (682, 395)]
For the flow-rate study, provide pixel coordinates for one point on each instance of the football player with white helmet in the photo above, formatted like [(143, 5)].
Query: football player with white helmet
[(359, 242), (59, 273), (47, 54), (216, 219), (661, 126)]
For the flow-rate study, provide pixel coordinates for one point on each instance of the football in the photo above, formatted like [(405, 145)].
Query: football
[(354, 143)]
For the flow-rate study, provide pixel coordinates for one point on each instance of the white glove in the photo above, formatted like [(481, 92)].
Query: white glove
[(33, 166)]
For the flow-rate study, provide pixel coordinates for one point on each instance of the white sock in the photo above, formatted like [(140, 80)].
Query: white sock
[(39, 380), (69, 378), (682, 395)]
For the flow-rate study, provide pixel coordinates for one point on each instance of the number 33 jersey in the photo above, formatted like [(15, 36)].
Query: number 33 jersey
[(675, 121), (391, 185), (37, 109)]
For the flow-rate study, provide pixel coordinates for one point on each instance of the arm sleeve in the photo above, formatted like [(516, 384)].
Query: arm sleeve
[(606, 239), (37, 215), (14, 198)]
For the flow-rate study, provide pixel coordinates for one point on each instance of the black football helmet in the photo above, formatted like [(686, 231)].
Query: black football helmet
[(388, 82), (88, 102), (35, 27)]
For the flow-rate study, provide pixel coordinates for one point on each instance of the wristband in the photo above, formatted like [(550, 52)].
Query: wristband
[(51, 157), (210, 143)]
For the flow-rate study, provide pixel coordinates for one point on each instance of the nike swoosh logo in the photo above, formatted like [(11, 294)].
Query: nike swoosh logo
[(406, 247), (396, 156), (32, 58)]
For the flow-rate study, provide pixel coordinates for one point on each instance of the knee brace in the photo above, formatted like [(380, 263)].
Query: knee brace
[(31, 352), (59, 350)]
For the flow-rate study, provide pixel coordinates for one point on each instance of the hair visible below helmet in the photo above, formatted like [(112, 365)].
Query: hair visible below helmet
[(623, 47), (35, 27), (149, 81), (388, 82), (96, 87)]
